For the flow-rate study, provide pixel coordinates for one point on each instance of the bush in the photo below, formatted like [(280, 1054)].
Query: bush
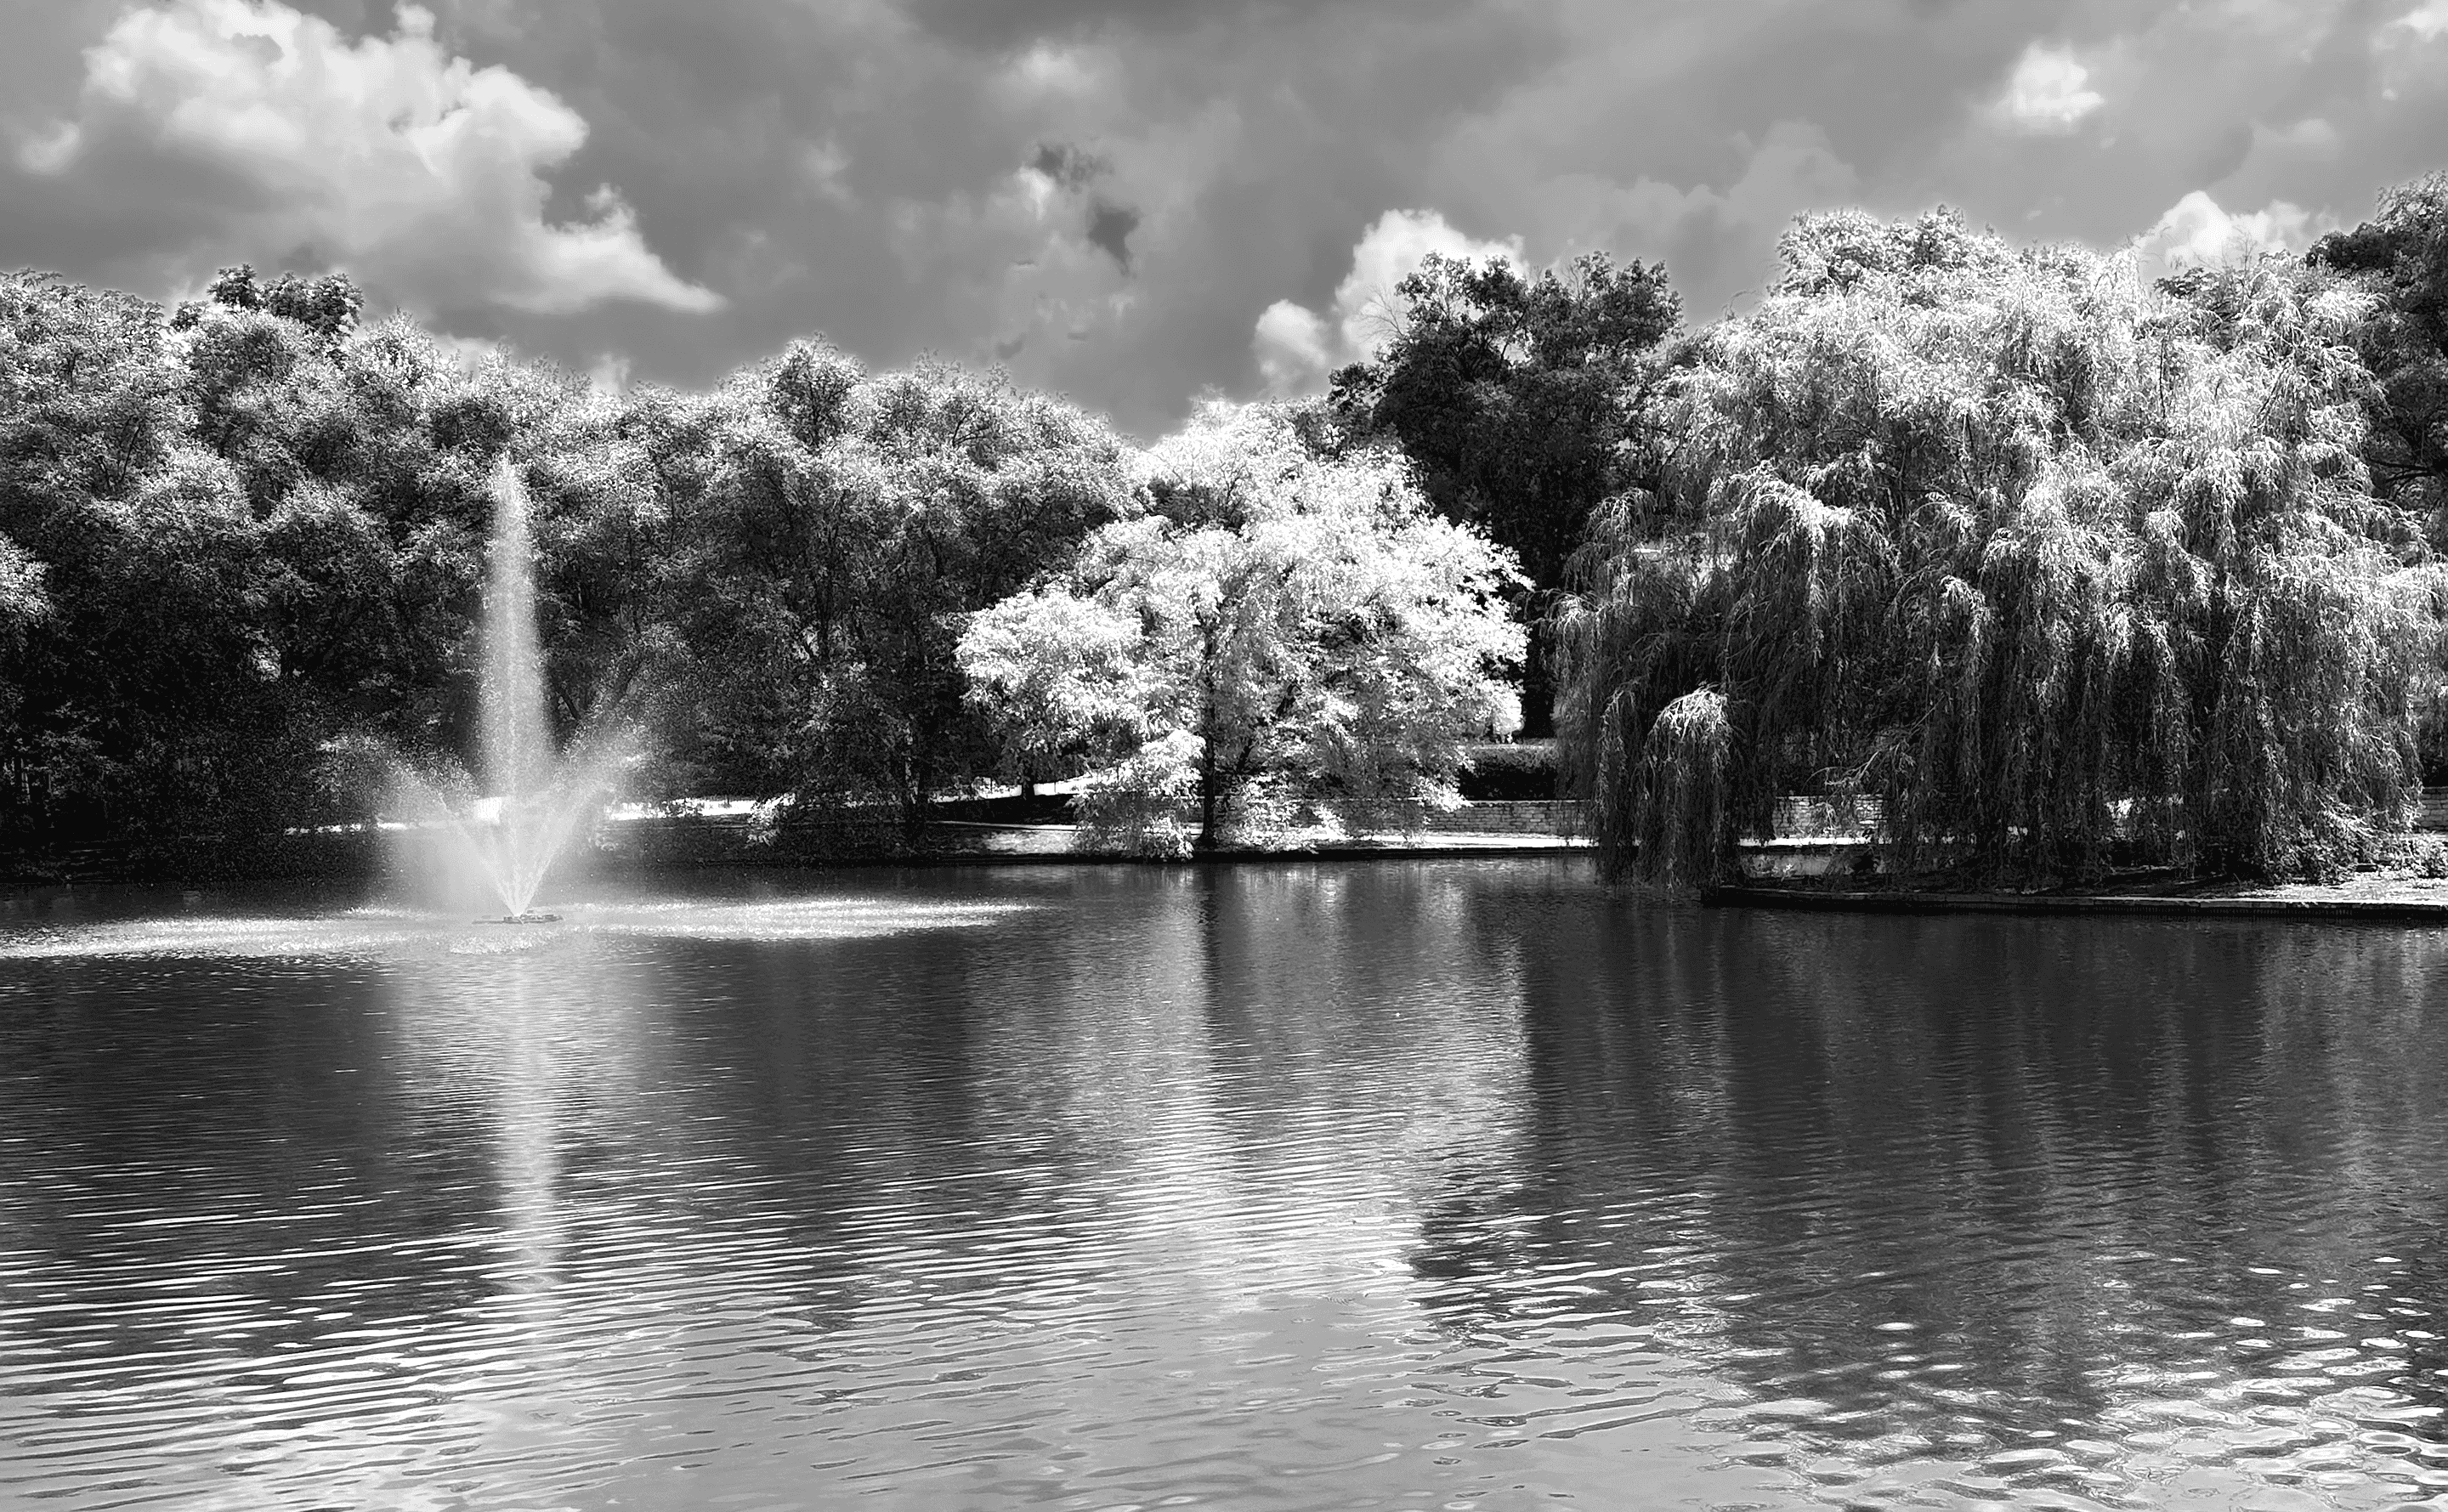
[(1135, 809), (1520, 771)]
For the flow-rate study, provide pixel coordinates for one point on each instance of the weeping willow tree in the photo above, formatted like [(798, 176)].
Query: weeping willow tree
[(2048, 561)]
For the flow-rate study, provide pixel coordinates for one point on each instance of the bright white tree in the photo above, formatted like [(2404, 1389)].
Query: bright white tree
[(1284, 624)]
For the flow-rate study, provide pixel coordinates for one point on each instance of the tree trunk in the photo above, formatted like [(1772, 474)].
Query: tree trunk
[(1538, 683), (914, 817), (1207, 800), (1207, 748)]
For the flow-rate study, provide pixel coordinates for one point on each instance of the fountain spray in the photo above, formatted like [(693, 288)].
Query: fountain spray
[(507, 835)]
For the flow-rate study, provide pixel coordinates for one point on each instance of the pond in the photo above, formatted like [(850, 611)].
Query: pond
[(1406, 1184)]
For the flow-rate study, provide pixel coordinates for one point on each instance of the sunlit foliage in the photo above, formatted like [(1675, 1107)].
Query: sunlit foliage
[(2049, 561), (2061, 566), (1284, 625)]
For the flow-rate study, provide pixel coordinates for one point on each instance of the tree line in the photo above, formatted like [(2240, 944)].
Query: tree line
[(243, 545), (2059, 564)]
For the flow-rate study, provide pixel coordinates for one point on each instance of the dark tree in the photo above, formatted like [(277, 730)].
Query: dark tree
[(2402, 258), (1516, 397), (328, 306)]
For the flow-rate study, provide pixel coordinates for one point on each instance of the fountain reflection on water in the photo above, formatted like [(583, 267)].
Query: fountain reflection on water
[(1398, 1183), (502, 838)]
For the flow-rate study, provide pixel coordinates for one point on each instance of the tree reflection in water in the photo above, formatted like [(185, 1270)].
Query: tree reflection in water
[(1284, 1186), (1982, 1189)]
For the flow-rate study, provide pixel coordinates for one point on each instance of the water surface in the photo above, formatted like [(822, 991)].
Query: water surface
[(1398, 1184)]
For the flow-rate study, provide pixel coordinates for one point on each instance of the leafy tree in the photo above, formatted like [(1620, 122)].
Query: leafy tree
[(2402, 258), (2044, 560), (130, 647), (849, 526), (1059, 676), (1515, 396), (328, 306), (237, 533), (1283, 621)]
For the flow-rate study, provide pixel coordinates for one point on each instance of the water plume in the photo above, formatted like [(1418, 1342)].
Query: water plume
[(503, 829)]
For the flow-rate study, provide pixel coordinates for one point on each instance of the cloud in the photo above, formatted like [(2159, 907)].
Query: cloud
[(420, 172), (1792, 168), (1109, 231), (1007, 24), (1298, 349), (924, 176), (1063, 165), (609, 374), (2048, 92), (1023, 269), (2195, 232), (1061, 170), (2427, 23)]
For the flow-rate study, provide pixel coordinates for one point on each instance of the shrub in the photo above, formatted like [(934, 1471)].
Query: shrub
[(1521, 772)]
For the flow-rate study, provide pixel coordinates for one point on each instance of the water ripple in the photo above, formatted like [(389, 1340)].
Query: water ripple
[(1409, 1185)]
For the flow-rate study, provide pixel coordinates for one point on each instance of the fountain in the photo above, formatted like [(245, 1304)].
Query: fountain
[(504, 836)]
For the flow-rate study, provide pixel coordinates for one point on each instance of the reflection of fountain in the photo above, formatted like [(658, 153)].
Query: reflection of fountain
[(506, 838)]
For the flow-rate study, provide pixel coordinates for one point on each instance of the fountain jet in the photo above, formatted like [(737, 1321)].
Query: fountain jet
[(506, 832)]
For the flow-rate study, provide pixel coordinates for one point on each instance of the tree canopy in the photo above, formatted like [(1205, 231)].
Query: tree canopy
[(2401, 257), (1284, 624), (235, 533), (1515, 394), (2060, 566), (842, 530), (2046, 559)]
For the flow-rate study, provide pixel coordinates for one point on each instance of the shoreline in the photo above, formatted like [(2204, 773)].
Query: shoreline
[(2385, 898), (355, 857), (2393, 897)]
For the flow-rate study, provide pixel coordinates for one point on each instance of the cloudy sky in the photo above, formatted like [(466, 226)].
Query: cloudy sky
[(1139, 202)]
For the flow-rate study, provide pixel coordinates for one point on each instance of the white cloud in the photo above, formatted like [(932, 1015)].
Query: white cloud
[(2048, 92), (826, 167), (416, 170), (1014, 276), (2195, 232), (609, 374), (49, 150), (1045, 70), (2428, 22), (1298, 348), (1294, 348)]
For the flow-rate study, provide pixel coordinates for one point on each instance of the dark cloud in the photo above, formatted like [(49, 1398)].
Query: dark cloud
[(1068, 165), (1109, 231)]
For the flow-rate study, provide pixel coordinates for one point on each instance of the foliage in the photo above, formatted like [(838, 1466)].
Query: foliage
[(2401, 260), (843, 529), (1282, 620), (1680, 792), (2058, 566), (2401, 257), (240, 542), (1509, 772), (2049, 561), (1514, 396)]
